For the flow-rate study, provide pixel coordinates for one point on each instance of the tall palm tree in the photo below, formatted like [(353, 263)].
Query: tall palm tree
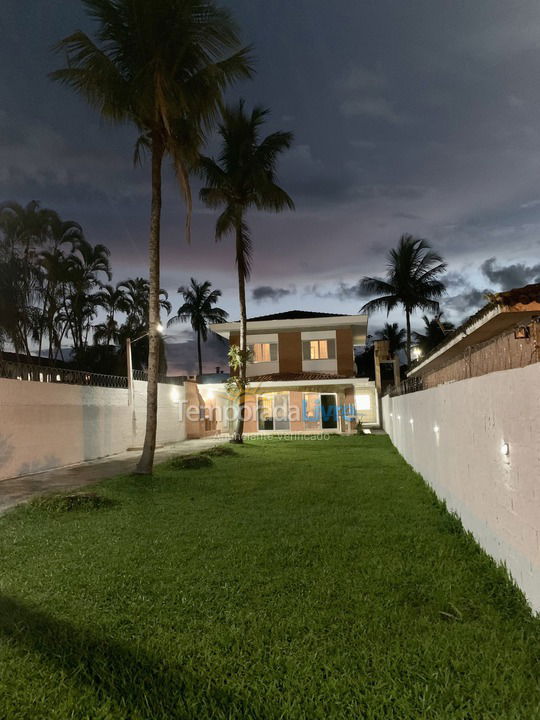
[(137, 296), (198, 307), (243, 177), (85, 265), (113, 300), (412, 273), (435, 330), (395, 336), (159, 65)]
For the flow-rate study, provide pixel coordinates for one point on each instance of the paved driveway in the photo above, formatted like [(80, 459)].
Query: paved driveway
[(21, 489)]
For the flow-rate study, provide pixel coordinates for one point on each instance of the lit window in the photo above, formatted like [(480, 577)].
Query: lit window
[(273, 411), (261, 352), (318, 350), (363, 402)]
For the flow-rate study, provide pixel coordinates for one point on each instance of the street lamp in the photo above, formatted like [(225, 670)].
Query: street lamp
[(129, 343)]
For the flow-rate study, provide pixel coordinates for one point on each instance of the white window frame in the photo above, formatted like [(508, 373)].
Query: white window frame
[(273, 393), (338, 416)]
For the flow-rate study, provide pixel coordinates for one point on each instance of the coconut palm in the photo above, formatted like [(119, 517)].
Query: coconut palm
[(198, 307), (435, 330), (243, 177), (159, 65), (413, 269), (395, 336), (113, 300), (137, 297)]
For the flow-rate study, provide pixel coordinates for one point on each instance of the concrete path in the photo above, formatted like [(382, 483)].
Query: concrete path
[(23, 488)]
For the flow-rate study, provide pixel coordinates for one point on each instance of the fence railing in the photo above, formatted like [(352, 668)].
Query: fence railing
[(409, 385), (68, 376)]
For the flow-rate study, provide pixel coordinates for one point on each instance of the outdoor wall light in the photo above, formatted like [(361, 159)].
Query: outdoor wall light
[(399, 417), (160, 328), (411, 421), (505, 449), (522, 332), (391, 414), (436, 429)]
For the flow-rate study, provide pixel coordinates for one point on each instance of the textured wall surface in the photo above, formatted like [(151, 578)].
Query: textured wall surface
[(454, 436), (47, 425)]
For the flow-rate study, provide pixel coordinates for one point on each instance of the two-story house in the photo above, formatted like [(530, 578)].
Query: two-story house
[(302, 373)]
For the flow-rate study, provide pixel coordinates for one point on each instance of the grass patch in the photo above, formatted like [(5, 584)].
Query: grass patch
[(190, 462), (220, 451), (311, 580), (61, 502)]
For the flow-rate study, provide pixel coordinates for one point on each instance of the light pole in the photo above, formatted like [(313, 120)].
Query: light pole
[(129, 343)]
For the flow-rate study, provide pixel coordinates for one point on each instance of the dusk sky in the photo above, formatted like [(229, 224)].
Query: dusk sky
[(419, 118)]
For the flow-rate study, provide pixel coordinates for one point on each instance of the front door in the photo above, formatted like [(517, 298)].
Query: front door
[(329, 415)]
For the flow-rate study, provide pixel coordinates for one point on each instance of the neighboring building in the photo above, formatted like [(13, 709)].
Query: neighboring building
[(504, 334), (302, 374)]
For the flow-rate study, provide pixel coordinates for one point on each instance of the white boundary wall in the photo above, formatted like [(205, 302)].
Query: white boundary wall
[(48, 425), (455, 441)]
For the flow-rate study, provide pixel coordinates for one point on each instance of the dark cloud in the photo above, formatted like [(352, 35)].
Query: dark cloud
[(266, 292), (422, 122), (182, 356), (510, 276), (466, 303), (342, 292)]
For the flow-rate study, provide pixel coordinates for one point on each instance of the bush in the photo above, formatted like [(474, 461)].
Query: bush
[(191, 462), (76, 501), (220, 451)]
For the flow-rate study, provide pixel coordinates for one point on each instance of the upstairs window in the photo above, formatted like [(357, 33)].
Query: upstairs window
[(263, 352), (319, 350)]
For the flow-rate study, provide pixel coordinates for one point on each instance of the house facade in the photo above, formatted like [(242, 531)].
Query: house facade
[(301, 376), (503, 335)]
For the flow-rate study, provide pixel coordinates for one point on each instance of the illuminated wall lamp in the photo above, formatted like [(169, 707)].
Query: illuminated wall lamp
[(505, 448), (523, 332), (436, 429)]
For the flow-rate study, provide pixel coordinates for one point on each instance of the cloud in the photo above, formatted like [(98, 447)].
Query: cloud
[(510, 276), (530, 204), (343, 291), (361, 92), (267, 292), (362, 78), (378, 108), (182, 356), (466, 303)]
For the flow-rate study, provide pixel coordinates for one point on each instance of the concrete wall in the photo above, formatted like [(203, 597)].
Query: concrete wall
[(47, 425), (454, 434)]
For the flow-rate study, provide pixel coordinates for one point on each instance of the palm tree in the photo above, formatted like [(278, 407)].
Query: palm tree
[(242, 178), (199, 300), (395, 336), (411, 280), (85, 265), (137, 296), (159, 65), (435, 330), (112, 300)]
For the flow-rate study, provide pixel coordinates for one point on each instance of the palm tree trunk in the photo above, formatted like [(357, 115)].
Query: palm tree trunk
[(408, 320), (199, 351), (239, 431), (146, 462)]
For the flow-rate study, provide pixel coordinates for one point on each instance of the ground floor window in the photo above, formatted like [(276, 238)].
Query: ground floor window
[(273, 411)]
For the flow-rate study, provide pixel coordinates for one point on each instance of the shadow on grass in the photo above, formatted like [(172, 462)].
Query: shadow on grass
[(139, 685)]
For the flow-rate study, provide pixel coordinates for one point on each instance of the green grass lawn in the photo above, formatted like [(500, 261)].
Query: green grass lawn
[(300, 579)]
